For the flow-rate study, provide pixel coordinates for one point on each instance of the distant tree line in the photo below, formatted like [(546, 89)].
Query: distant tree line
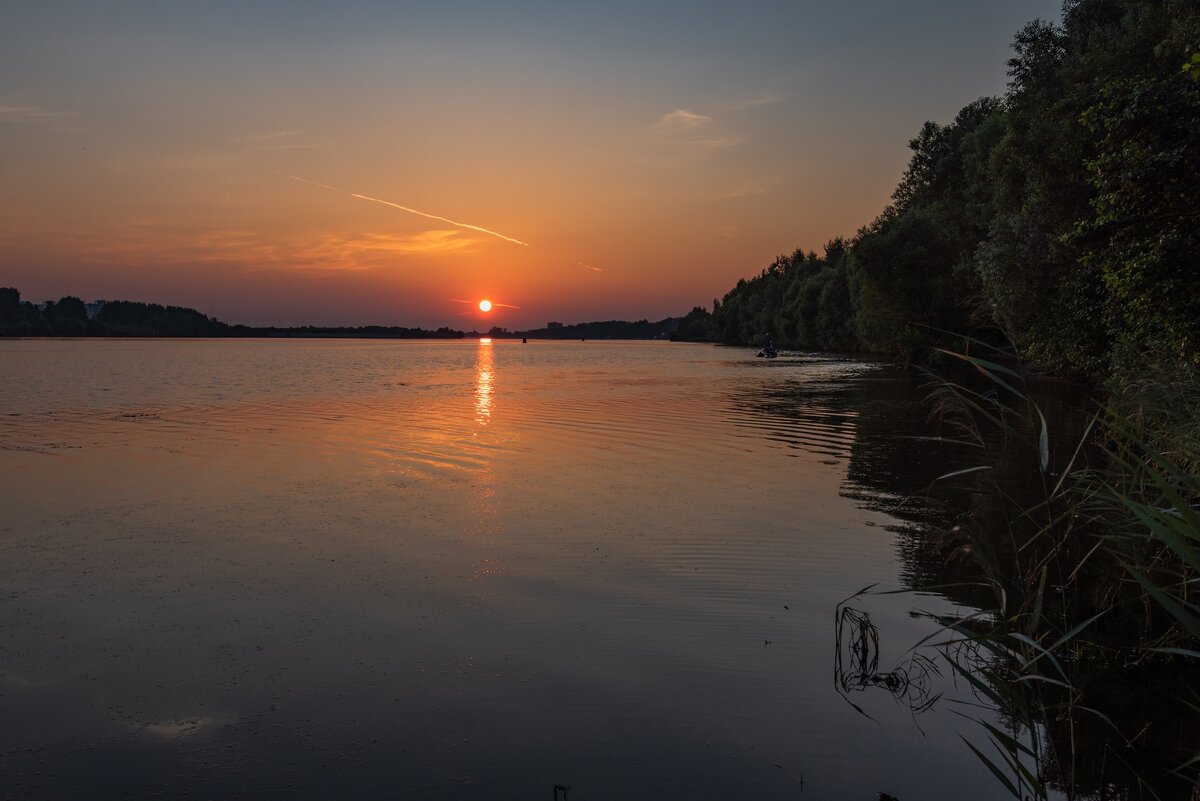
[(122, 318), (1064, 216), (353, 332), (601, 329), (68, 317)]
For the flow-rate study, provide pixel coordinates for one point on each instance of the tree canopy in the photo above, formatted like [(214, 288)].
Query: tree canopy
[(1063, 216)]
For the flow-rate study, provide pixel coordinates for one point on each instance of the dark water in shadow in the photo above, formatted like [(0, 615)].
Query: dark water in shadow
[(459, 570)]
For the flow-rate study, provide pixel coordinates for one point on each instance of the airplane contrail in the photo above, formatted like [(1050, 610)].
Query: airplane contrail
[(411, 211), (590, 267)]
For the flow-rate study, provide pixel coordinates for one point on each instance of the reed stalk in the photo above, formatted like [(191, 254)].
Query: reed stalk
[(1095, 591)]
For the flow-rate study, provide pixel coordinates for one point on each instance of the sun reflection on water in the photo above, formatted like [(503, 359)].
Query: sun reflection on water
[(483, 382), (483, 499)]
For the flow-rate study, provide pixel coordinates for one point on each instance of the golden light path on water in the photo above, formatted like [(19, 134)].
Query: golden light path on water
[(484, 362), (487, 524)]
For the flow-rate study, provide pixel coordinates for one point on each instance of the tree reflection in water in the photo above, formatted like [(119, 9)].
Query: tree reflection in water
[(1106, 716)]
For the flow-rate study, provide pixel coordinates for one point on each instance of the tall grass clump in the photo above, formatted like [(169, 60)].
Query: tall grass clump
[(1090, 652)]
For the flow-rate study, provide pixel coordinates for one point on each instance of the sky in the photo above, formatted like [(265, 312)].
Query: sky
[(372, 162)]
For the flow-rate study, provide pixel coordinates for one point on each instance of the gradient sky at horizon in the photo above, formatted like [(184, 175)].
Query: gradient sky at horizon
[(648, 155)]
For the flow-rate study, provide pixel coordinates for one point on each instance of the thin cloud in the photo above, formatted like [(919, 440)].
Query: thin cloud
[(590, 267), (276, 140), (750, 189), (495, 305), (762, 99), (284, 146), (358, 251), (681, 120), (467, 226), (336, 252), (269, 137), (718, 143), (681, 127), (30, 113), (426, 243)]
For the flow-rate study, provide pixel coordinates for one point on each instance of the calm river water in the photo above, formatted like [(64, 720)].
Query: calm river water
[(366, 569)]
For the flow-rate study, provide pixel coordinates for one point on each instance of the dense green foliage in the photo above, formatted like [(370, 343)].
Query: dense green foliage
[(1064, 215), (696, 326), (802, 300)]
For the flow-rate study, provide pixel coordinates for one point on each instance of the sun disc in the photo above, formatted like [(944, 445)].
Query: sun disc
[(485, 305)]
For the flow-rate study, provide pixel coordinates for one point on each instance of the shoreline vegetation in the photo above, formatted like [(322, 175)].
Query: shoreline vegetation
[(1051, 231), (1062, 217), (1079, 633), (71, 317)]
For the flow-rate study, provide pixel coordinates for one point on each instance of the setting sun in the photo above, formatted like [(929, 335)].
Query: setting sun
[(485, 305)]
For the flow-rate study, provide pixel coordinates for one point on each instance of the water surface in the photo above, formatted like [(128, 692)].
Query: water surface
[(355, 569)]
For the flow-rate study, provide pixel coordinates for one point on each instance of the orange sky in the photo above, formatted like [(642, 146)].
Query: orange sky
[(646, 158)]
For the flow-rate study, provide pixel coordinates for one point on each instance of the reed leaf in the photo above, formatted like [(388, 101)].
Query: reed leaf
[(999, 774)]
